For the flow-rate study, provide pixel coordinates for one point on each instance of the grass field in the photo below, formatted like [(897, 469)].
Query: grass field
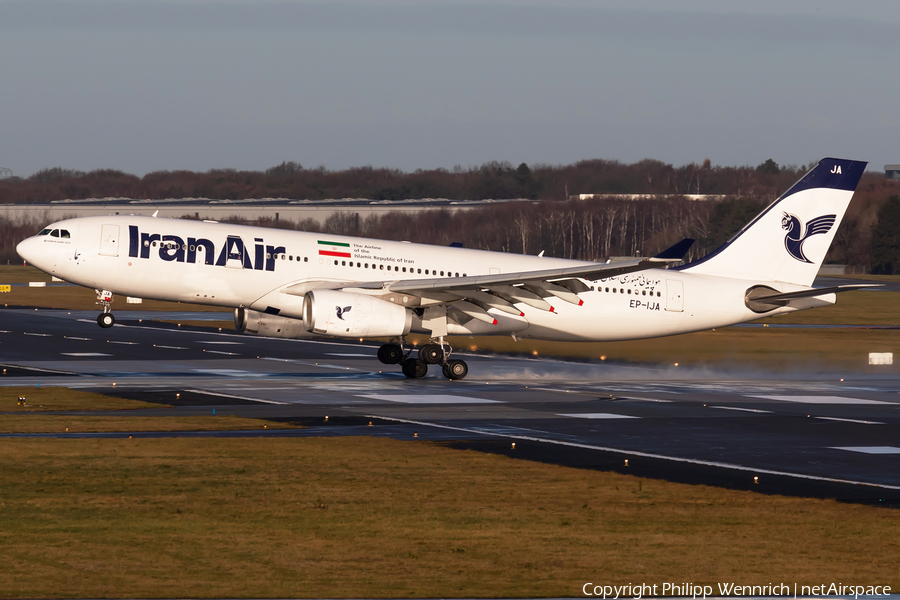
[(364, 517)]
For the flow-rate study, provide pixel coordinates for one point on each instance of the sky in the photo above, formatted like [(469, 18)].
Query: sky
[(143, 86)]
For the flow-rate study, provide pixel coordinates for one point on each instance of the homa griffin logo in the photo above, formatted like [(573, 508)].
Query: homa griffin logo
[(342, 311), (793, 240), (233, 253)]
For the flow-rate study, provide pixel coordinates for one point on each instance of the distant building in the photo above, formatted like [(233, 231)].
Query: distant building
[(5, 173), (892, 171)]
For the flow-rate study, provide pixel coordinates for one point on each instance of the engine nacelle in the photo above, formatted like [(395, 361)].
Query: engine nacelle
[(329, 312), (259, 323)]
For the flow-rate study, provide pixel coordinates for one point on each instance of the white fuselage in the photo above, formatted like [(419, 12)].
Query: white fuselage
[(239, 266)]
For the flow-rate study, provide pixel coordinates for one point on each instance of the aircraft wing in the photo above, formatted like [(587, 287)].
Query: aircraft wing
[(477, 293)]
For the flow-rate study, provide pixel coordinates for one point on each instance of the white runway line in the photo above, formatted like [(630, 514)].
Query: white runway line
[(870, 449), (428, 399), (172, 347), (77, 338), (220, 352), (821, 399), (235, 397), (84, 354), (349, 354), (851, 420), (223, 343), (123, 343), (755, 410), (695, 461), (596, 416), (41, 334)]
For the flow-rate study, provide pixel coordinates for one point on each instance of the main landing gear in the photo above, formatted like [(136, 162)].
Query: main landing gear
[(437, 352), (106, 318)]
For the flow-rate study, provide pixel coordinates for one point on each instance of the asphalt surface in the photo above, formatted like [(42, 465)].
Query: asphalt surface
[(807, 434)]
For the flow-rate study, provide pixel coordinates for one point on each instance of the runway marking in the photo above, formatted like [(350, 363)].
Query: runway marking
[(220, 352), (230, 372), (229, 343), (870, 449), (428, 399), (708, 463), (123, 343), (77, 338), (41, 334), (851, 421), (84, 354), (349, 354), (756, 410), (171, 347), (821, 399), (235, 397), (313, 364), (596, 416)]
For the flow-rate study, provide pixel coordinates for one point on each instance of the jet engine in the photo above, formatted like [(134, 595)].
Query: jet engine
[(259, 323), (330, 312)]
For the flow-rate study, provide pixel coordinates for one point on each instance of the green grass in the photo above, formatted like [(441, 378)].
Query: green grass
[(59, 398), (364, 517)]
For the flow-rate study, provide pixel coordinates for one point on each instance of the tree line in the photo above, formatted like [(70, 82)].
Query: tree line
[(490, 180)]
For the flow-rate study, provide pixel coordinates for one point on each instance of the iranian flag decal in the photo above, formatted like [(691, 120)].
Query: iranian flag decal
[(334, 249)]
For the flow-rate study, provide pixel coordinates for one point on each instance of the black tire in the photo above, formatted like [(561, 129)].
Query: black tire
[(415, 368), (390, 354), (432, 354), (106, 320), (456, 369)]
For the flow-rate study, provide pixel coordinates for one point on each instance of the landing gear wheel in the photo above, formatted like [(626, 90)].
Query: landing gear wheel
[(390, 354), (432, 354), (106, 320), (456, 369), (415, 368)]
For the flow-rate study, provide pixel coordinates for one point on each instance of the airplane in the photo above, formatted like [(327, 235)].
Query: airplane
[(294, 284)]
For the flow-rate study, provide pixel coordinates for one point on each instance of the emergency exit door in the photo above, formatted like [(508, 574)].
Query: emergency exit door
[(674, 295), (109, 240)]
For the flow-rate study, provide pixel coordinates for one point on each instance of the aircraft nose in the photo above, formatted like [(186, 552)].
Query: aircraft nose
[(25, 249)]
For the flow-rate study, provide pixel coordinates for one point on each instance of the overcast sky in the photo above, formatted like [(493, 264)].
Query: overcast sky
[(148, 85)]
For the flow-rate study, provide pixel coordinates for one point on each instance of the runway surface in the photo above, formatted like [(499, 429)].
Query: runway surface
[(809, 434)]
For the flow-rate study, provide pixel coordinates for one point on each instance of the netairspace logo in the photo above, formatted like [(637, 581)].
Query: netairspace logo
[(684, 590)]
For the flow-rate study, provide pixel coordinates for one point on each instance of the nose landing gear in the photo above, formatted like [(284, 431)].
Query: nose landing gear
[(437, 352), (106, 318)]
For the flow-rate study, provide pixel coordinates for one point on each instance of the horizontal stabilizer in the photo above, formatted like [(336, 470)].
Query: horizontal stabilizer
[(677, 251), (759, 301)]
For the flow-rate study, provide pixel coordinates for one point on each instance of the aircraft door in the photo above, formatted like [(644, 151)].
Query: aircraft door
[(109, 240), (674, 295)]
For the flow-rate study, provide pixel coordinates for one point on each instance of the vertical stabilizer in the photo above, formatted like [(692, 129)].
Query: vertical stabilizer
[(788, 241)]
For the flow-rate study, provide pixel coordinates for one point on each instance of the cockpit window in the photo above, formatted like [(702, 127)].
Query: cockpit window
[(64, 234), (44, 232), (54, 233)]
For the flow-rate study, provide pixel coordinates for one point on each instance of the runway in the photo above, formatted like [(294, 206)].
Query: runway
[(809, 434)]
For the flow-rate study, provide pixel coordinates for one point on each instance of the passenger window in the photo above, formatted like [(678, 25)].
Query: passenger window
[(420, 271), (404, 269), (381, 267), (442, 273), (305, 259), (614, 290)]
